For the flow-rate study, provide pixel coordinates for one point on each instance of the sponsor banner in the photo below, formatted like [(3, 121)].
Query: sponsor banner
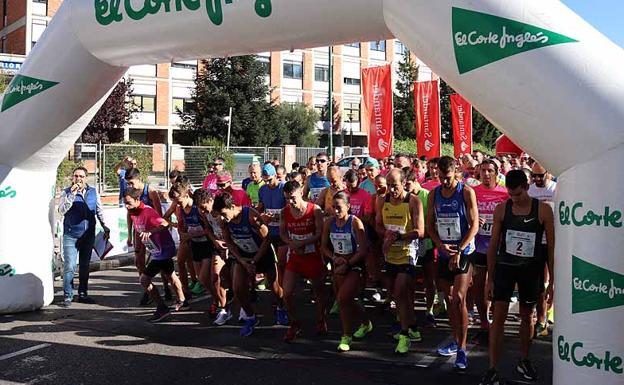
[(22, 88), (427, 102), (461, 112), (377, 109), (595, 288), (480, 38)]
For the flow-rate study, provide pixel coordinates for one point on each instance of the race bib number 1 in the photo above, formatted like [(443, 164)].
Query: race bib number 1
[(449, 229), (520, 243)]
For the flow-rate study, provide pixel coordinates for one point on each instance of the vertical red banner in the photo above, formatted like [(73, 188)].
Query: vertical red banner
[(427, 102), (461, 112), (377, 112)]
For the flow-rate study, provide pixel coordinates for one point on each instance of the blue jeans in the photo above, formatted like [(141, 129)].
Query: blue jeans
[(76, 250)]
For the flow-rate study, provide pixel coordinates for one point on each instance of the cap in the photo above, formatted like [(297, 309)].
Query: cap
[(224, 177), (269, 170), (372, 163)]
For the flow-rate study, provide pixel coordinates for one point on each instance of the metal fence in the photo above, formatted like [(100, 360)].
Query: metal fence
[(305, 153), (151, 161)]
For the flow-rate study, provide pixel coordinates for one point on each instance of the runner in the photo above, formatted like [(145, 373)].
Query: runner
[(516, 257), (224, 184), (336, 185), (153, 235), (272, 202), (375, 258), (372, 170), (247, 238), (433, 179), (301, 228), (280, 173), (344, 243), (254, 182), (360, 201), (205, 201), (453, 222), (318, 181), (426, 258), (210, 182), (400, 223), (489, 195)]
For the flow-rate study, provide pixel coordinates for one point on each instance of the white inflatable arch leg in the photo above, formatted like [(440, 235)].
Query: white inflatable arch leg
[(539, 72)]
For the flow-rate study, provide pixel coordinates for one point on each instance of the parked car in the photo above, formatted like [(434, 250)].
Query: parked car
[(345, 163)]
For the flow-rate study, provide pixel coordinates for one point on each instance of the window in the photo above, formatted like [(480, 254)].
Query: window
[(352, 81), (182, 105), (184, 66), (321, 73), (293, 70), (378, 45), (399, 48), (320, 109), (265, 62), (38, 26), (351, 112), (145, 103), (353, 45)]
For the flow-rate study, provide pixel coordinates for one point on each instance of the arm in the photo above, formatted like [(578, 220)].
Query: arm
[(431, 222), (99, 213), (169, 213), (418, 220), (263, 230), (379, 225), (497, 226), (547, 218), (320, 201), (155, 197), (230, 244), (283, 231), (470, 199), (325, 242), (306, 190), (130, 230), (66, 202), (362, 242)]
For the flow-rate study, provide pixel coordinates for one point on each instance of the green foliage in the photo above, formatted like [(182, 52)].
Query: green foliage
[(64, 172), (404, 112), (237, 82), (297, 122), (4, 82), (115, 154), (408, 146), (216, 149), (336, 111)]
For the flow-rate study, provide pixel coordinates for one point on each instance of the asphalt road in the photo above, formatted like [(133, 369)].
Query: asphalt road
[(112, 343)]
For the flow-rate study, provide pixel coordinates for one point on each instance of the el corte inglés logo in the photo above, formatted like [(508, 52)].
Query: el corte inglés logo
[(480, 39), (595, 288), (22, 88)]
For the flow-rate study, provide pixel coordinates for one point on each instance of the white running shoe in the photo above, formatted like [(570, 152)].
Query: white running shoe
[(242, 316), (223, 316)]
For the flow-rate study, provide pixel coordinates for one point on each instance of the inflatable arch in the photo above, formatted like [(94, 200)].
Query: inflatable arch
[(538, 71)]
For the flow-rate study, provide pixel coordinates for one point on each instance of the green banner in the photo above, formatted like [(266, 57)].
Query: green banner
[(595, 288), (22, 88), (480, 39)]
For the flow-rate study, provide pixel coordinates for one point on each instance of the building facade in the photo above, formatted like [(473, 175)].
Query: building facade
[(159, 91)]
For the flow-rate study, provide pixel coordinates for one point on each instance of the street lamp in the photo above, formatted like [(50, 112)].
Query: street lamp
[(350, 115)]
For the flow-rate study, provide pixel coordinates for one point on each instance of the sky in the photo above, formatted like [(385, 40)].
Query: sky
[(607, 16)]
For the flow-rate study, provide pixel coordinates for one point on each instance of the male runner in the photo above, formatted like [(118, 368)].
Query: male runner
[(318, 181)]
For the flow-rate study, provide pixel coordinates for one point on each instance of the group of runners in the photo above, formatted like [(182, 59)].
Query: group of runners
[(469, 229)]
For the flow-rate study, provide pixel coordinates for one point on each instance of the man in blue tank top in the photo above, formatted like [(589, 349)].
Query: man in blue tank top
[(317, 182), (453, 223), (80, 205), (516, 257)]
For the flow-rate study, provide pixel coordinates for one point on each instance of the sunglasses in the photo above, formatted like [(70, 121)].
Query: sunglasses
[(321, 161), (217, 164)]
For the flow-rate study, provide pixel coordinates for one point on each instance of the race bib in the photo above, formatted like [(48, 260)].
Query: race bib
[(520, 243), (486, 228), (449, 229), (275, 216), (315, 192), (151, 247), (197, 233), (247, 245), (309, 249), (342, 243), (396, 229)]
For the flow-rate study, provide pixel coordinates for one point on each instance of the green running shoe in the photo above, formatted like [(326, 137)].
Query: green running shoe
[(198, 288), (345, 344), (414, 335), (541, 329), (403, 345), (363, 330), (335, 309)]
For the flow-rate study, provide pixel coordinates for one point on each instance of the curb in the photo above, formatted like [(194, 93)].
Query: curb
[(112, 263)]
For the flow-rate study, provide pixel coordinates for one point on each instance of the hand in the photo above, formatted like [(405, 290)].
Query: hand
[(145, 236), (106, 233), (341, 269), (481, 221), (489, 289), (130, 242), (339, 261), (449, 250), (221, 244), (74, 188), (550, 293)]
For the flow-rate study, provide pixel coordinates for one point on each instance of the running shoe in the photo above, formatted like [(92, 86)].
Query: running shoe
[(363, 330), (403, 345), (281, 316), (83, 298), (335, 309), (249, 326), (167, 290), (541, 329), (471, 317), (461, 363), (160, 314), (212, 311), (145, 299), (414, 335), (182, 305), (345, 344), (430, 321), (448, 350), (293, 332), (198, 288), (192, 284), (223, 316), (491, 377), (242, 316), (321, 327), (67, 302), (527, 370), (551, 315)]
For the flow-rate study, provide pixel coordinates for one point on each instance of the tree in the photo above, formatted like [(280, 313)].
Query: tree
[(237, 82), (107, 126), (336, 111), (404, 112), (299, 121), (4, 83)]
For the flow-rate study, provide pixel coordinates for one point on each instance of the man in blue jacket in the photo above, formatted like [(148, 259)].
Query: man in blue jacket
[(80, 204)]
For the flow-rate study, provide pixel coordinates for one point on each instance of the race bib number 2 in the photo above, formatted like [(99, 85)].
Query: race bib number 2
[(520, 243)]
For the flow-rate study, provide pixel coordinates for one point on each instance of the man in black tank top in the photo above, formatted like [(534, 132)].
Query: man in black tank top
[(516, 256)]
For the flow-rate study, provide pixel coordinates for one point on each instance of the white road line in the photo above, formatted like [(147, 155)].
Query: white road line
[(24, 351)]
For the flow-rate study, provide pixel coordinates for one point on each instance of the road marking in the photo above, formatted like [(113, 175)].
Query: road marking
[(24, 351)]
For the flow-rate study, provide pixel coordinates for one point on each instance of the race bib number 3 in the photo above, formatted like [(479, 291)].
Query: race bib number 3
[(486, 228), (520, 243), (449, 229), (342, 243)]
